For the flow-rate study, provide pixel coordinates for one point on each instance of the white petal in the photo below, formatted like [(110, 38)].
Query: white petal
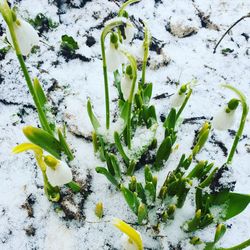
[(126, 84), (223, 120), (114, 58), (126, 244), (60, 176), (176, 100), (129, 32), (26, 35)]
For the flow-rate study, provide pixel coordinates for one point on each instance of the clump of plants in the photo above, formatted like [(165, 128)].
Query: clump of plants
[(156, 203), (130, 143)]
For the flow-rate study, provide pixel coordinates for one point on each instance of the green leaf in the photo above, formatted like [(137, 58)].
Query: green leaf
[(115, 165), (105, 172), (142, 213), (220, 231), (117, 82), (40, 93), (236, 204), (74, 186), (171, 120), (93, 119), (147, 93), (65, 146), (125, 112), (150, 192), (163, 152), (68, 43), (141, 192), (120, 148), (44, 140), (131, 199), (147, 174)]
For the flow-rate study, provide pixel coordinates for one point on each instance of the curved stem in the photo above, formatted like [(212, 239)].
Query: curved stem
[(42, 117), (242, 99), (239, 20), (184, 104), (105, 31), (237, 247), (131, 95), (123, 7), (146, 42)]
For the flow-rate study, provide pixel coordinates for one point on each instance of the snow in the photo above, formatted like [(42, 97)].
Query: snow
[(70, 84)]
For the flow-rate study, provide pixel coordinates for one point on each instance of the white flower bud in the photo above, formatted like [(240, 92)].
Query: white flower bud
[(60, 175), (127, 244), (176, 100), (27, 36), (223, 120), (114, 58)]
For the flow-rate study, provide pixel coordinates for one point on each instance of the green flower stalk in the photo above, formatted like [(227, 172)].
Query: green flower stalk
[(146, 43), (127, 109), (105, 32), (124, 6), (13, 25), (245, 109)]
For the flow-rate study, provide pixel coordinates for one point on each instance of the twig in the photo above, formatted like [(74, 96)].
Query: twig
[(239, 20)]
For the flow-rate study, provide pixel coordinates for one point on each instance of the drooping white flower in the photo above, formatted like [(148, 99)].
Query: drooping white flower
[(27, 36), (114, 58), (129, 31), (176, 100), (127, 243), (60, 174), (126, 84), (224, 120)]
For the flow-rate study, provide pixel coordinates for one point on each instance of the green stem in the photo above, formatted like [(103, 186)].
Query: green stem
[(42, 117), (146, 43), (123, 7), (184, 104), (105, 31), (237, 247), (242, 99), (131, 95)]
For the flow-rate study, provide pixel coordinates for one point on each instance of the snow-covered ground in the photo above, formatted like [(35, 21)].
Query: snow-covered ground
[(27, 219)]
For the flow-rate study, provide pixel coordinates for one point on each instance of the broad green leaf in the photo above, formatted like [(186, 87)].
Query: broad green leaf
[(236, 204), (170, 120), (125, 112), (163, 152), (147, 93), (92, 117), (131, 199), (44, 140)]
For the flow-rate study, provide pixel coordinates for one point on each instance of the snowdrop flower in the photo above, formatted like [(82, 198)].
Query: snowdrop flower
[(27, 36), (114, 56), (126, 82), (225, 118), (129, 31), (58, 172), (131, 239), (178, 98)]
